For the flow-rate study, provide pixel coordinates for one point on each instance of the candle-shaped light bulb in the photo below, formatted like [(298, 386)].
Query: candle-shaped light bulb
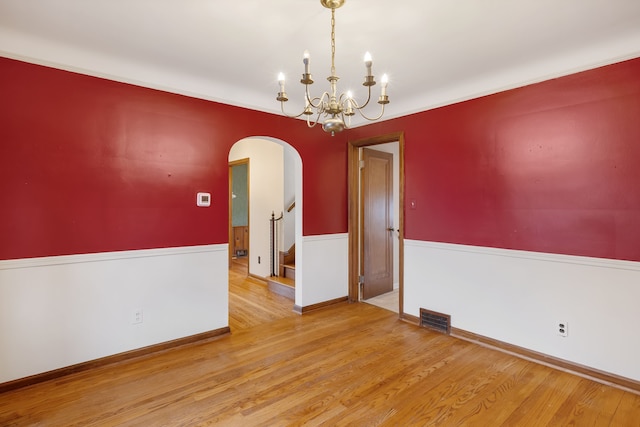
[(385, 82), (368, 62), (305, 59), (348, 111), (281, 81)]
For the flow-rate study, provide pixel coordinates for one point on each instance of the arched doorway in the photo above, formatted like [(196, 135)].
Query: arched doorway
[(275, 184)]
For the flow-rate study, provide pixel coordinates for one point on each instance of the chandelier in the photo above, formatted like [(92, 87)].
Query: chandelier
[(330, 106)]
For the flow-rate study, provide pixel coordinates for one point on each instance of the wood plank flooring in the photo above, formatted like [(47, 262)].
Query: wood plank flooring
[(250, 301), (347, 365)]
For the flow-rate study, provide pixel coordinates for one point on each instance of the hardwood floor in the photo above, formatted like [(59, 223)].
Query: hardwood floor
[(250, 301), (350, 364)]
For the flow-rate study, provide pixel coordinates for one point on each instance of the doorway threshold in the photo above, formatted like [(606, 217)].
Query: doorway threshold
[(388, 301)]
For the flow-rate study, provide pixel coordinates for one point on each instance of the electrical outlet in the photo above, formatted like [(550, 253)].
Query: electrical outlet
[(137, 316), (563, 329)]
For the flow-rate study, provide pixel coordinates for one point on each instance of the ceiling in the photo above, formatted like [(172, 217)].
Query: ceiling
[(435, 51)]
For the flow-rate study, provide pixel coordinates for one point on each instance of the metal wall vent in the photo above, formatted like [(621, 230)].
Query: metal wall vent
[(436, 321)]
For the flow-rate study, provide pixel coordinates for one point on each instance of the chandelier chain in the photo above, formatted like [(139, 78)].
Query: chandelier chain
[(333, 42)]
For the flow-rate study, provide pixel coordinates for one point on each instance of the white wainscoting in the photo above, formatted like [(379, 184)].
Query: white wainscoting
[(518, 297), (60, 311), (324, 275)]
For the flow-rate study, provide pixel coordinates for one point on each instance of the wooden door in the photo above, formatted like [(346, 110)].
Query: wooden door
[(377, 223)]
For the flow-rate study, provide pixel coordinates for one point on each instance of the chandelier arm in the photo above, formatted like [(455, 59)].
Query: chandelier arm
[(317, 106), (347, 122), (344, 100), (368, 97), (310, 100), (322, 103), (289, 115), (372, 119), (353, 103), (313, 123)]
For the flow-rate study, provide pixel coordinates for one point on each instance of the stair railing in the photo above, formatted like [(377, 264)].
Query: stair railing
[(273, 243)]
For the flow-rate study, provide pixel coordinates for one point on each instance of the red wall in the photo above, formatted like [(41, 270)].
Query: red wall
[(551, 167), (90, 165)]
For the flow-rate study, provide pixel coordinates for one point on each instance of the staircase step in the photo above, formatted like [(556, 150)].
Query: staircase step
[(282, 286), (289, 271)]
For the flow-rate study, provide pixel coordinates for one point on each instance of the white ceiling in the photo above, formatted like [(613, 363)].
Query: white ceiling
[(435, 51)]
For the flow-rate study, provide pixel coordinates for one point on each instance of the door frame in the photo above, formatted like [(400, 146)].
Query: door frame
[(353, 160)]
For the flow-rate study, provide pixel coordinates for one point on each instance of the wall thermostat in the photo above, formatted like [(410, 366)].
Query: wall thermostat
[(203, 199)]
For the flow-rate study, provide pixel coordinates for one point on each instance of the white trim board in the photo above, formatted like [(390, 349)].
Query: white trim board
[(566, 259), (106, 256)]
